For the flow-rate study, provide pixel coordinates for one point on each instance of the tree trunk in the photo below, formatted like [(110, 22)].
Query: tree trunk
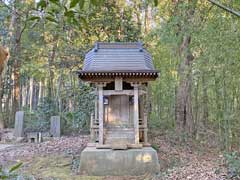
[(24, 95), (196, 110), (2, 123), (205, 101), (184, 117), (31, 94), (41, 89), (58, 93), (17, 51), (51, 73), (146, 19)]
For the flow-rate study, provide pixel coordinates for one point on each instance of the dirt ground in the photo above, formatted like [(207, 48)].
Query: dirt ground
[(59, 159)]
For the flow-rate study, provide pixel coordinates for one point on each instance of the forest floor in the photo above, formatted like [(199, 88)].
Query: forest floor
[(59, 159)]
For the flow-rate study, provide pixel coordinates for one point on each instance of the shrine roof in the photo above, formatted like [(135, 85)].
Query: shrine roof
[(118, 58)]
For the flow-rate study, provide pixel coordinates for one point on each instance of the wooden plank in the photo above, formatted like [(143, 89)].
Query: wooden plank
[(123, 92), (118, 84), (118, 114), (125, 110), (115, 111), (113, 92), (144, 79)]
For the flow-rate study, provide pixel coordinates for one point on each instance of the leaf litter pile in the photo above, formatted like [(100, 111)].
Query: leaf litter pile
[(177, 161), (63, 145)]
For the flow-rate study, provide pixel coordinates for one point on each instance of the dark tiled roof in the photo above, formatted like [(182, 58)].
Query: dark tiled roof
[(112, 57)]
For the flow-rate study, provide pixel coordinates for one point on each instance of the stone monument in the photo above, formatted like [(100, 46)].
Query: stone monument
[(55, 128), (19, 124)]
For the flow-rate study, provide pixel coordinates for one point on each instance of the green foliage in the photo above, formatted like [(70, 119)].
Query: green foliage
[(39, 119), (233, 164), (156, 147), (79, 117), (10, 173), (214, 43)]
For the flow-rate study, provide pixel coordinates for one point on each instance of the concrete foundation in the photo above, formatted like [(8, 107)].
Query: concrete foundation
[(103, 162)]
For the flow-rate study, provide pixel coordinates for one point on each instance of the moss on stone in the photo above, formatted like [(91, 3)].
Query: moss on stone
[(53, 166)]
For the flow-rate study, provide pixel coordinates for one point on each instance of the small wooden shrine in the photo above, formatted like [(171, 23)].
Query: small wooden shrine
[(120, 73)]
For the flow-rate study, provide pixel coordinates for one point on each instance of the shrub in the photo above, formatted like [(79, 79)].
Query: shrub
[(233, 164), (9, 173)]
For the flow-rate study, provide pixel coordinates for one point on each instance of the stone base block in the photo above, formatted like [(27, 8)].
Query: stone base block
[(104, 162)]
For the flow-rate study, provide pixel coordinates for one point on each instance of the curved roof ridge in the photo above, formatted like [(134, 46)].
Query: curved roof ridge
[(117, 45), (118, 56)]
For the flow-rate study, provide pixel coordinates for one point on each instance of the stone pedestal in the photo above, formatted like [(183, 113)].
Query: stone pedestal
[(103, 162)]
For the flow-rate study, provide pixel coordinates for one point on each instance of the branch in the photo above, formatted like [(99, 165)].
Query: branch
[(3, 4), (225, 8)]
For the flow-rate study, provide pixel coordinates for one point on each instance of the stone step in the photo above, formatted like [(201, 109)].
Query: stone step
[(119, 127), (119, 130), (114, 132), (120, 140), (119, 135)]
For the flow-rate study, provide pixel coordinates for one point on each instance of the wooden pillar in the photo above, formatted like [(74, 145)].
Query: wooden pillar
[(92, 128), (136, 113), (100, 111), (145, 128), (96, 106)]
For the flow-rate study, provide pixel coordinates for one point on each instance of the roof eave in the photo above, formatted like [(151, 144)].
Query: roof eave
[(106, 74)]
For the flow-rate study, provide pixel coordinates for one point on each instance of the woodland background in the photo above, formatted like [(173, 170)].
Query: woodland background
[(195, 46)]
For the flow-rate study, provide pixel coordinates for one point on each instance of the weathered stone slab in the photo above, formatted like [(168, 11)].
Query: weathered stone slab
[(55, 128), (134, 146), (19, 123), (103, 162), (119, 146), (103, 146), (147, 145), (91, 144)]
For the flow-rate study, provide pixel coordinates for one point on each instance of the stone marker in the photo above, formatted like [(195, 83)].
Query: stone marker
[(32, 137), (55, 128), (18, 128)]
